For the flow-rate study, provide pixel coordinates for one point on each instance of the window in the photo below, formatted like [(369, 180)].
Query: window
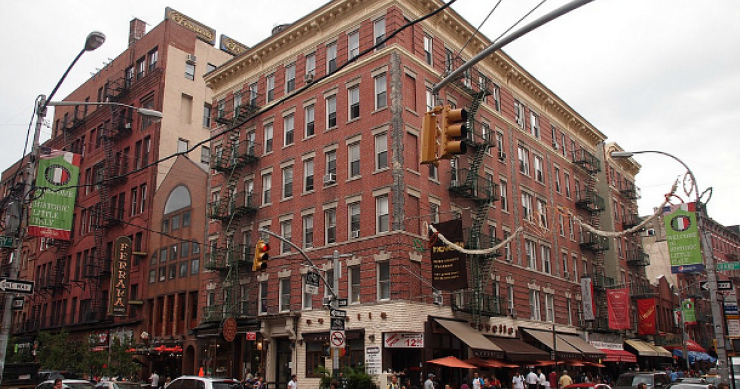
[(153, 55), (519, 113), (290, 78), (263, 297), (354, 220), (504, 201), (430, 100), (253, 95), (266, 187), (129, 77), (330, 225), (182, 145), (546, 260), (152, 276), (538, 169), (550, 307), (434, 212), (307, 231), (534, 123), (268, 138), (527, 206), (571, 228), (542, 212), (134, 199), (288, 129), (286, 230), (221, 109), (562, 141), (530, 248), (565, 265), (288, 182), (379, 32), (354, 102), (384, 280), (207, 115), (510, 298), (307, 301), (354, 160), (237, 102), (534, 304), (190, 71), (329, 277), (570, 312), (331, 162), (496, 92), (354, 284), (143, 204), (566, 182), (309, 119), (308, 175), (331, 57), (428, 49), (145, 150), (270, 87), (561, 224), (353, 44), (140, 68), (331, 111), (381, 94), (311, 64), (381, 209), (381, 151), (523, 160), (556, 173)]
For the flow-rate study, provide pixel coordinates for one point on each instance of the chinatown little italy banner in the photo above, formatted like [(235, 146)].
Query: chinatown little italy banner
[(646, 316), (618, 304), (57, 178), (689, 315), (120, 281), (448, 265), (587, 294), (682, 235)]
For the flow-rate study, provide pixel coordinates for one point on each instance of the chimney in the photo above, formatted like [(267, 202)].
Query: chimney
[(137, 29)]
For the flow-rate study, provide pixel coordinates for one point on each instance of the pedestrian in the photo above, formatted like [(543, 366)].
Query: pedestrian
[(541, 379), (553, 379), (642, 385), (564, 380), (58, 383), (464, 385), (293, 383), (394, 382), (477, 381), (517, 382), (429, 383), (334, 384), (154, 380), (589, 378), (531, 380), (494, 382)]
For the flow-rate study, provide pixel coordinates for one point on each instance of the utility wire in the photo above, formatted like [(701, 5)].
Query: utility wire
[(477, 30)]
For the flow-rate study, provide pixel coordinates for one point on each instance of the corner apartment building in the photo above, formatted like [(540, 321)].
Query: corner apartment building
[(120, 195)]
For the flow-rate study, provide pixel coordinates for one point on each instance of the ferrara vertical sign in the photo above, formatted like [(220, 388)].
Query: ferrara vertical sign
[(120, 281), (56, 179)]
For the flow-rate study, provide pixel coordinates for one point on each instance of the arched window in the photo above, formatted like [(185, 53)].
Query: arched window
[(179, 198)]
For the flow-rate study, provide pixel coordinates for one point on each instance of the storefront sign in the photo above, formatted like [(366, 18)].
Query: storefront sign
[(228, 329), (587, 293), (449, 271), (56, 181), (733, 328), (606, 345), (373, 360), (120, 281), (682, 235), (203, 32), (403, 340)]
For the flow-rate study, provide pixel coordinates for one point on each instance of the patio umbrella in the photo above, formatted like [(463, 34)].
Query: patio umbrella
[(489, 363), (452, 362), (575, 363), (546, 363), (595, 364)]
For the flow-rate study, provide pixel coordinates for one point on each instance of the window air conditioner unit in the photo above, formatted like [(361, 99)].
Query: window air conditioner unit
[(192, 59), (356, 234), (512, 312), (555, 146), (501, 155), (309, 78), (330, 178), (438, 299), (127, 126), (566, 275)]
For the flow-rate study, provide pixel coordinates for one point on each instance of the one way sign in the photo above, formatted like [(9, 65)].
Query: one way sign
[(16, 286), (721, 285)]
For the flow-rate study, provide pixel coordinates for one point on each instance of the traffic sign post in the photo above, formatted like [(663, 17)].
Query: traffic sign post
[(337, 313), (342, 302), (16, 286), (337, 338), (721, 285)]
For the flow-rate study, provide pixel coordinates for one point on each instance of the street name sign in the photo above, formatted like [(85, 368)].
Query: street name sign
[(337, 313), (724, 266), (721, 285), (16, 286), (342, 302), (6, 241)]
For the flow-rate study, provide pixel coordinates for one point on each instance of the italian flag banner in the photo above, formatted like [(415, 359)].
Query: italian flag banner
[(56, 179)]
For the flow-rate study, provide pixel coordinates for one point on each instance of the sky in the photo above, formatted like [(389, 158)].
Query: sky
[(650, 74)]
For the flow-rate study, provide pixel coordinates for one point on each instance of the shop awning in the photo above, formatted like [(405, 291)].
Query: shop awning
[(643, 349), (662, 352), (452, 362), (519, 351), (493, 363), (482, 347), (580, 344), (618, 356), (563, 349)]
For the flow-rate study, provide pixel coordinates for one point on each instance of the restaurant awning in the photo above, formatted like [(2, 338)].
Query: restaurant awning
[(482, 347), (643, 349), (451, 362), (519, 351), (588, 350), (563, 349), (662, 352), (618, 356), (480, 362)]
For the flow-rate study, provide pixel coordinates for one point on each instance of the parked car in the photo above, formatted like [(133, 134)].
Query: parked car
[(108, 384), (691, 380), (46, 375), (652, 379), (589, 385), (67, 384), (195, 382), (681, 385)]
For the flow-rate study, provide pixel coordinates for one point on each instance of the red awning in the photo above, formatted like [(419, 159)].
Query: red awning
[(690, 344), (452, 362), (489, 363), (618, 356)]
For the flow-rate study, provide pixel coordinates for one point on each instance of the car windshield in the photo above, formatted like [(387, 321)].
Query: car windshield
[(223, 384)]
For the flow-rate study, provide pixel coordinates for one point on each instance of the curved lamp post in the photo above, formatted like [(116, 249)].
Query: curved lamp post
[(94, 40), (717, 318)]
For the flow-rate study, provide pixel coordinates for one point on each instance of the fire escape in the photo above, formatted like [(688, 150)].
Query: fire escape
[(236, 202), (471, 183), (588, 201)]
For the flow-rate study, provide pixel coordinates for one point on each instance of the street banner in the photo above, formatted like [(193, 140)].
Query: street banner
[(646, 316), (449, 270), (56, 190), (618, 305), (120, 280), (682, 235), (689, 315), (587, 295)]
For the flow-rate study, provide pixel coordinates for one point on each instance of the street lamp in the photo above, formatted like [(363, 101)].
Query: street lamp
[(708, 262), (94, 40), (144, 112)]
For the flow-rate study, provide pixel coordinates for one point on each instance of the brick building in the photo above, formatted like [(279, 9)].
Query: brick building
[(161, 70), (317, 138)]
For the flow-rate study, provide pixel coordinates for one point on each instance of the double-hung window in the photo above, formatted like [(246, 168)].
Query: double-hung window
[(354, 102), (353, 44), (331, 57)]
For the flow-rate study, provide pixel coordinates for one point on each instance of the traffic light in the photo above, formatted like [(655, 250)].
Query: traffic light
[(429, 137), (454, 132), (261, 255)]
